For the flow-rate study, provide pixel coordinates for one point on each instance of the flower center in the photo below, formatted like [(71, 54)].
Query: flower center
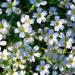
[(10, 5), (71, 60), (22, 29), (39, 15), (1, 26), (42, 68), (51, 36), (57, 24), (73, 11), (59, 61)]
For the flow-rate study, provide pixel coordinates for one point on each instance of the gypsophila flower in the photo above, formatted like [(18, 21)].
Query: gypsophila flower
[(25, 27), (40, 15), (66, 3), (58, 23), (70, 61), (32, 53), (71, 12), (10, 6), (4, 26), (43, 68)]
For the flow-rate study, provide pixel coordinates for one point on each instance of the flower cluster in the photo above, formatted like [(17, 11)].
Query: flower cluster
[(38, 39)]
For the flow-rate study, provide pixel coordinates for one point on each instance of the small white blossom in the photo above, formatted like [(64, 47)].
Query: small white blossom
[(43, 68), (58, 23), (71, 12), (70, 61), (40, 15), (10, 6)]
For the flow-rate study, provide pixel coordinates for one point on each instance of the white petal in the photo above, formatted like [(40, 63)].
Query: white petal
[(47, 66), (17, 30), (56, 28), (51, 41), (39, 20), (9, 11), (4, 5), (39, 10), (18, 24), (34, 15), (32, 59), (55, 35), (3, 43), (9, 1), (22, 35), (52, 23), (37, 54), (42, 63), (73, 17), (74, 1), (44, 13), (37, 68), (35, 73), (15, 3), (40, 38), (31, 21), (69, 12), (1, 37), (72, 6), (43, 3), (57, 18), (0, 11), (14, 9)]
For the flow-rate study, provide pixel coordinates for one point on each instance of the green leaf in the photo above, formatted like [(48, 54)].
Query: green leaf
[(32, 8), (64, 51), (38, 1)]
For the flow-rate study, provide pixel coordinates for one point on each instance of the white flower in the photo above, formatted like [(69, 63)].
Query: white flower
[(11, 6), (4, 55), (40, 15), (58, 23), (23, 29), (25, 26), (4, 26), (66, 3), (66, 39), (18, 62), (32, 53), (71, 12), (43, 68), (70, 61), (26, 19), (51, 37)]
